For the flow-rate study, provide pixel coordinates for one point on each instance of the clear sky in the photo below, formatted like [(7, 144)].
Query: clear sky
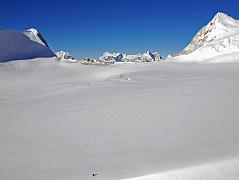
[(87, 28)]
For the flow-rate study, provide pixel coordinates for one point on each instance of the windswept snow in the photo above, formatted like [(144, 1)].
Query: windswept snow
[(63, 121)]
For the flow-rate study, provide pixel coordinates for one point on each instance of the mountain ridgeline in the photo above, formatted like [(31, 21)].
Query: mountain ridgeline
[(218, 38)]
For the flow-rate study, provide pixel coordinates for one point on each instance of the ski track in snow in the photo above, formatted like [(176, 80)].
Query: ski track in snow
[(63, 121)]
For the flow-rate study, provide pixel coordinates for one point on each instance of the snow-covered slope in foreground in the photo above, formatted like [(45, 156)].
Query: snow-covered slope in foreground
[(219, 37), (63, 121), (15, 45), (222, 170)]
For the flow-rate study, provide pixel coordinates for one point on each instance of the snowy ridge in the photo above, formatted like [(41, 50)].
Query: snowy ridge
[(34, 35), (15, 45), (219, 37)]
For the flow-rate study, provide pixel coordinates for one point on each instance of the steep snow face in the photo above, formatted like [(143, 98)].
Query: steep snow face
[(221, 26), (15, 45), (64, 55), (34, 35), (220, 36)]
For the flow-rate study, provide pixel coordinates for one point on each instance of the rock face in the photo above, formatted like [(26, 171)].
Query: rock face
[(220, 36), (64, 55), (15, 45), (118, 57)]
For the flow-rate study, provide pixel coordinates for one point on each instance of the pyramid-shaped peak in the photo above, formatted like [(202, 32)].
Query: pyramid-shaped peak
[(220, 27), (223, 18), (36, 36), (148, 52), (221, 14)]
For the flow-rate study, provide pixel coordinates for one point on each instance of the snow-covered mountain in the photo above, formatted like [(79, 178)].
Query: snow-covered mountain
[(157, 56), (118, 57), (107, 56), (15, 45), (147, 56), (34, 35), (64, 55), (219, 37)]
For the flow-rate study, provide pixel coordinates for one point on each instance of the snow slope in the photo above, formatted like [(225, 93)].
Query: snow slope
[(222, 170), (15, 45), (219, 37), (63, 121)]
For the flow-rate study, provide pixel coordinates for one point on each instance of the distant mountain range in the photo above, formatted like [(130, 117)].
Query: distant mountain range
[(118, 57), (219, 37)]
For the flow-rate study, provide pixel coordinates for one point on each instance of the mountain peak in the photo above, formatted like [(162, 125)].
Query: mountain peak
[(35, 35), (33, 31), (221, 14), (16, 45), (220, 27), (221, 17)]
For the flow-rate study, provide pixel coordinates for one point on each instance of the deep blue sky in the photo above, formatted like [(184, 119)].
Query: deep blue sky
[(87, 28)]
